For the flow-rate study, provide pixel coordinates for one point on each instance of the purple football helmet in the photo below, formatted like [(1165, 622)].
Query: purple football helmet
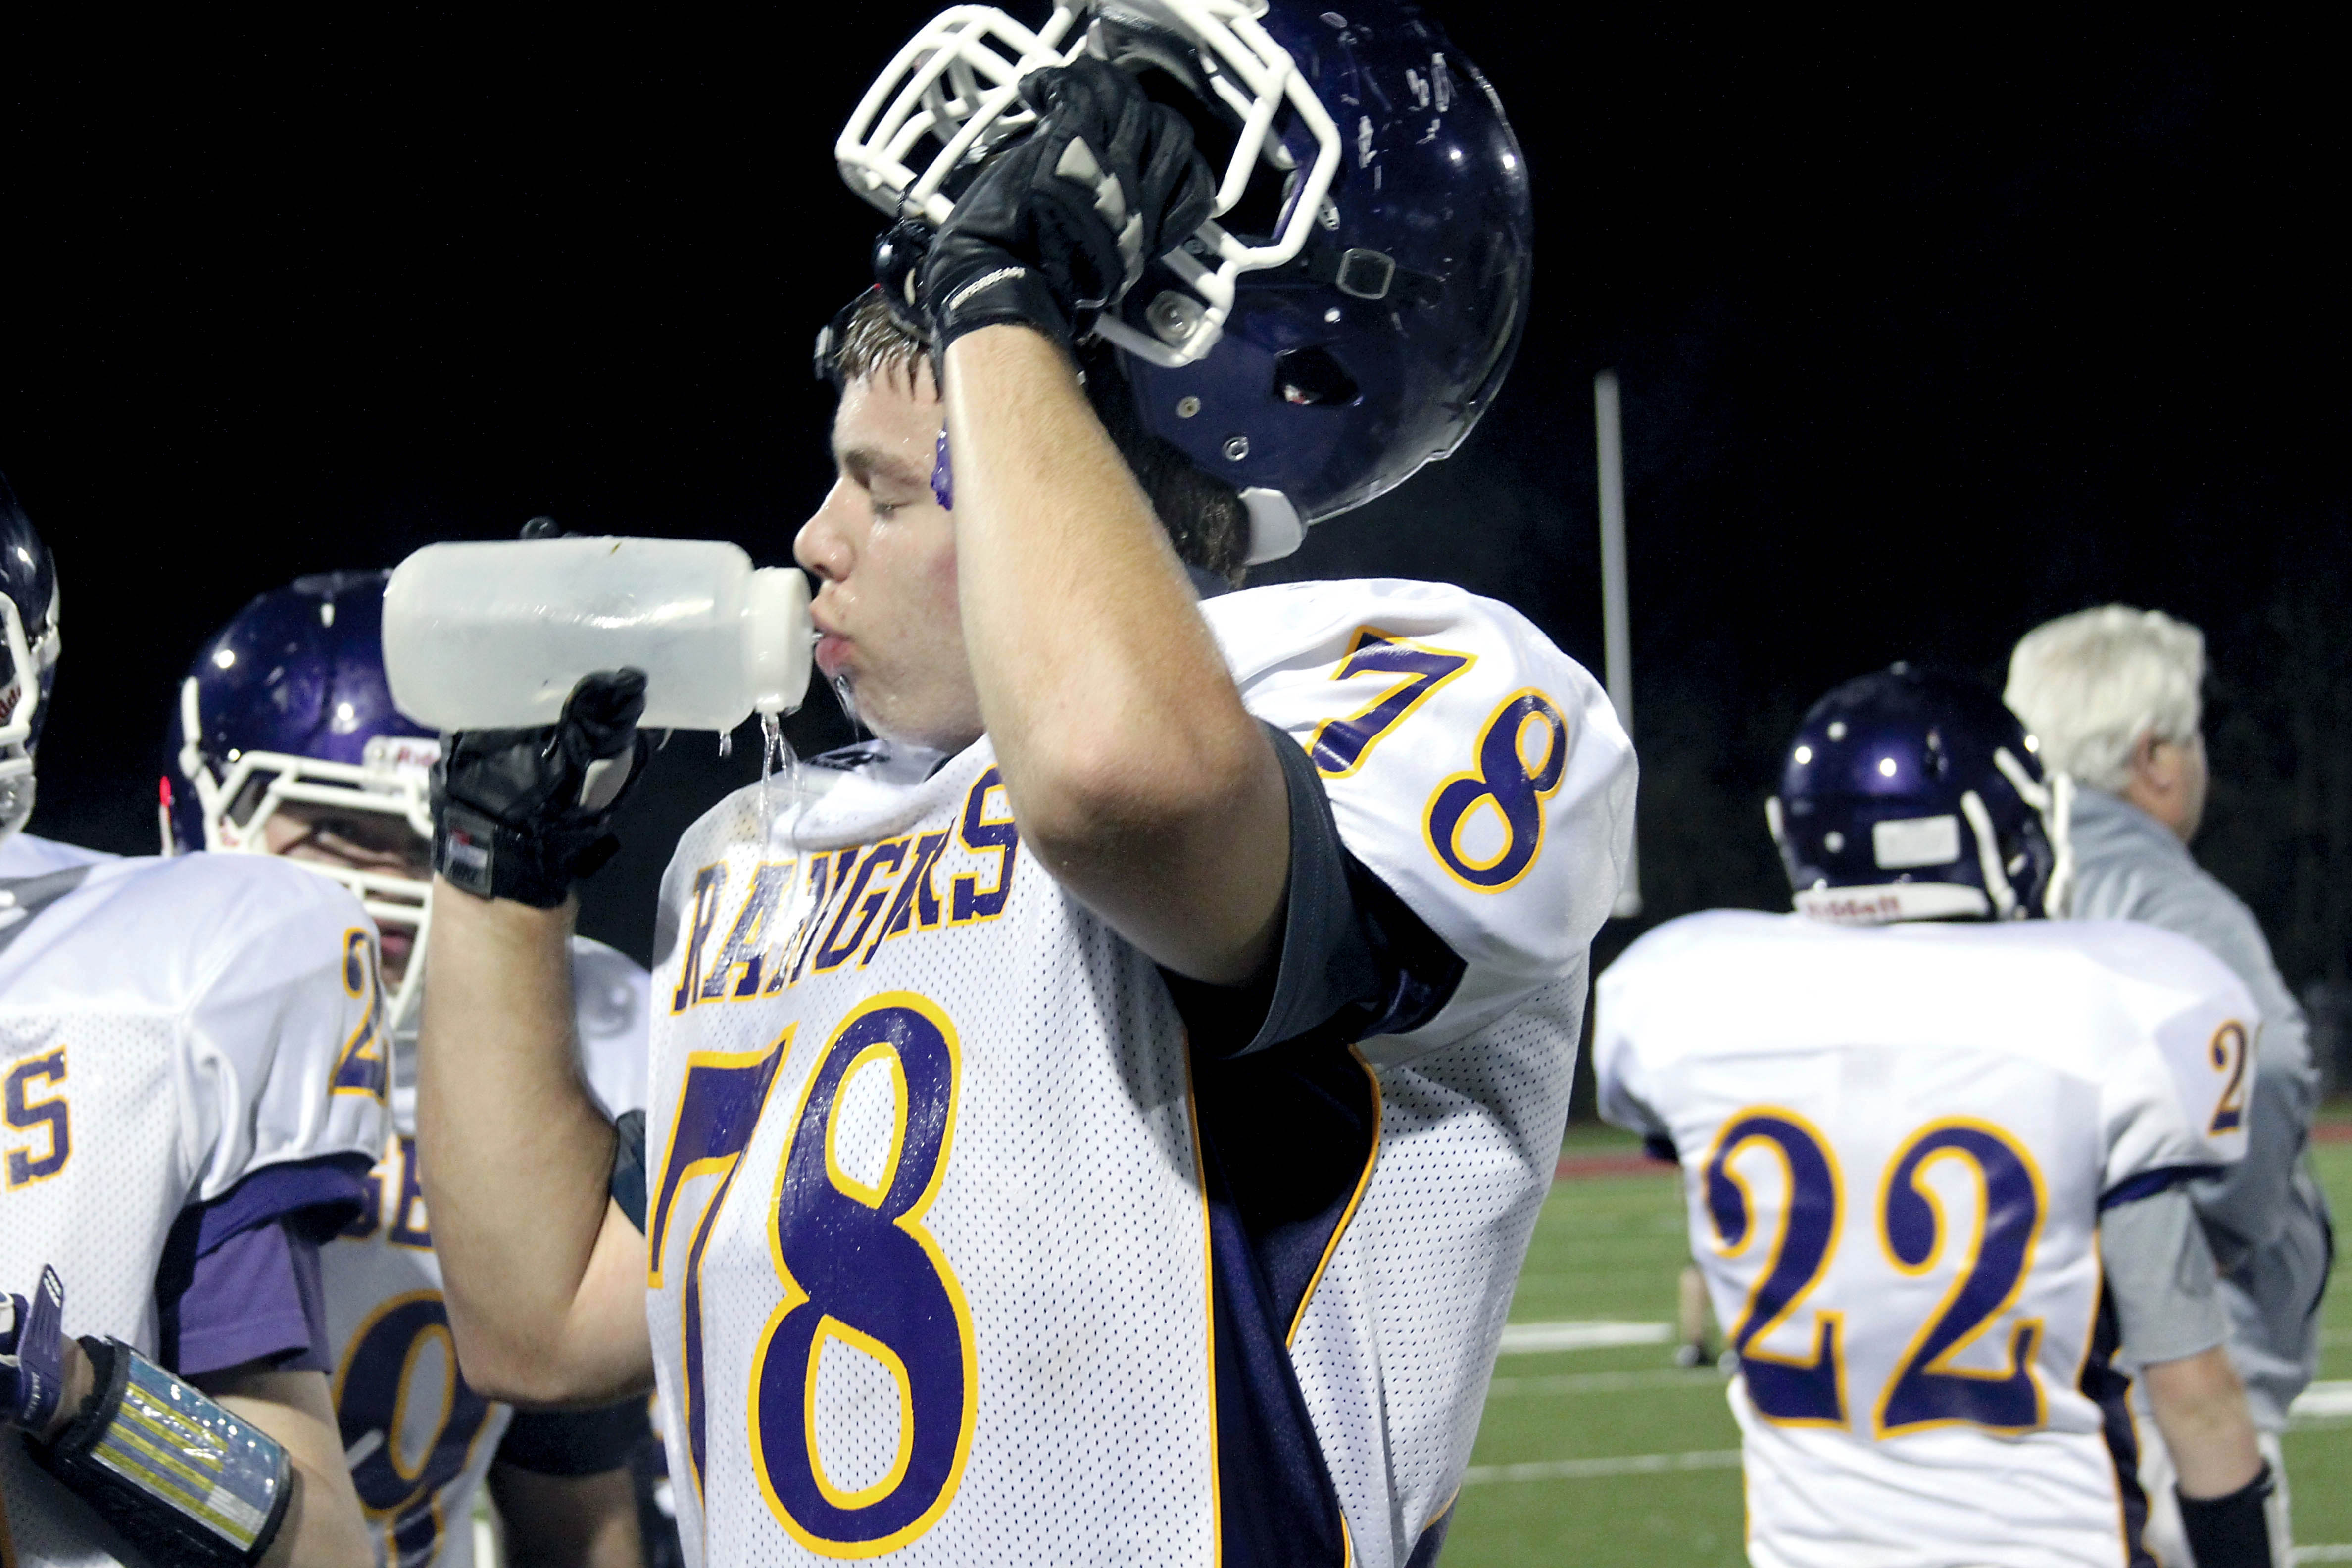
[(1349, 310), (1909, 795), (29, 654), (288, 706)]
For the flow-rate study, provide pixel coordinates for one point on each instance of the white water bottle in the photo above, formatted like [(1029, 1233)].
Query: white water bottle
[(495, 636)]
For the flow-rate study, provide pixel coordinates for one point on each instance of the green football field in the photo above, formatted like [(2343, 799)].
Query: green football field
[(1592, 1458)]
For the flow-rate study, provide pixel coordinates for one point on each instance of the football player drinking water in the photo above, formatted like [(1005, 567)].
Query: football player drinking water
[(1102, 1121), (193, 1061), (1935, 1146), (285, 742)]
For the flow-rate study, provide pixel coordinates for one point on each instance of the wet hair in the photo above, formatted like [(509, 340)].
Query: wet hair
[(1203, 516)]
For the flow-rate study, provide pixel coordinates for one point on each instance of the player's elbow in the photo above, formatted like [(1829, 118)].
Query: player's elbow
[(533, 1372), (1099, 799), (2200, 1408)]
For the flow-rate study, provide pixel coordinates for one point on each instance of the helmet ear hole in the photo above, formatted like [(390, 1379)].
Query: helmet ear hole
[(1310, 376)]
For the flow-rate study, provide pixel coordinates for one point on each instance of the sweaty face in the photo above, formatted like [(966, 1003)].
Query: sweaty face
[(882, 551)]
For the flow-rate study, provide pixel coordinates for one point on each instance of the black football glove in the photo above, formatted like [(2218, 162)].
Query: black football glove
[(32, 1355), (1060, 226), (523, 814)]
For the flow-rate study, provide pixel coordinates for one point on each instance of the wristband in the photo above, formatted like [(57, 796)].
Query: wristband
[(491, 860), (2232, 1532), (989, 290), (180, 1478)]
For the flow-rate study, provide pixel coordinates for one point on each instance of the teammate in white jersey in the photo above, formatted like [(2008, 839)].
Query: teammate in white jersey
[(1101, 1122), (286, 741), (192, 1087), (1914, 1124)]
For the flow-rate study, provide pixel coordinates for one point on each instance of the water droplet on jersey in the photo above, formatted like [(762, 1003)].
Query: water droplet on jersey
[(777, 761)]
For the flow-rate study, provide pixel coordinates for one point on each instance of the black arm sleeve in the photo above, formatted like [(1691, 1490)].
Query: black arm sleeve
[(2231, 1531), (575, 1442), (1354, 960)]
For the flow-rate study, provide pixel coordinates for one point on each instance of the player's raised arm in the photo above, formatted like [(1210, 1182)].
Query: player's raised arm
[(545, 1274), (1130, 760)]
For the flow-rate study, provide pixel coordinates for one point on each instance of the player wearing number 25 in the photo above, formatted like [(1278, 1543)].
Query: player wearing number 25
[(1100, 1122), (193, 1066), (1935, 1144)]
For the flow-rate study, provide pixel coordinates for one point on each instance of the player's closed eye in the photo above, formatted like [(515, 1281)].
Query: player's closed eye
[(351, 838)]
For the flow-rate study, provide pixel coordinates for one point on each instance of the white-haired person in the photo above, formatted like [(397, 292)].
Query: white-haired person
[(2112, 696)]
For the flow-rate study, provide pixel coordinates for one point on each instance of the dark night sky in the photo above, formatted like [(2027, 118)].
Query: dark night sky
[(1923, 338)]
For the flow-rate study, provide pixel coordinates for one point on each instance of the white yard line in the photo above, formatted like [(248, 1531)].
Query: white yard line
[(1589, 1470), (1528, 1339), (2341, 1553), (2322, 1401)]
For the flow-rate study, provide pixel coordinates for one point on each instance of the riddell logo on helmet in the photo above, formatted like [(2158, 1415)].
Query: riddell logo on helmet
[(401, 753), (12, 695), (1873, 908)]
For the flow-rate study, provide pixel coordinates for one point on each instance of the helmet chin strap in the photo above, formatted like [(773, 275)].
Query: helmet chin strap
[(2004, 897), (2055, 804), (1276, 527)]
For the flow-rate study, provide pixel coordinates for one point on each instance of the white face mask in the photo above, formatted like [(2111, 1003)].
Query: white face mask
[(953, 87), (392, 780), (30, 660)]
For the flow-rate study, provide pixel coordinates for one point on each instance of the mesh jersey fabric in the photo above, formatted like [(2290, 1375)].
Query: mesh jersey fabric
[(422, 1440), (1921, 1122), (931, 1235), (168, 1027)]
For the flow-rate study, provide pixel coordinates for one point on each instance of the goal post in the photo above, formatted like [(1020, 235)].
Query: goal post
[(1616, 622)]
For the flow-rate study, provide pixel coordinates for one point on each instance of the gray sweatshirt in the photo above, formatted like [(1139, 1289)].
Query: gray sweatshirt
[(2266, 1219)]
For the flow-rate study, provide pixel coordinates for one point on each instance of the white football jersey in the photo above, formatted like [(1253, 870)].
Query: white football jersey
[(21, 854), (1895, 1141), (395, 1365), (939, 1267), (168, 1027)]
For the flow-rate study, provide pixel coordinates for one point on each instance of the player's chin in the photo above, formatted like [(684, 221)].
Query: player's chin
[(396, 947)]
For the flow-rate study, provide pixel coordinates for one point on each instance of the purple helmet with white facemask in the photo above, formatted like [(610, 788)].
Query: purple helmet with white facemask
[(1350, 308), (29, 654), (288, 706), (1911, 795)]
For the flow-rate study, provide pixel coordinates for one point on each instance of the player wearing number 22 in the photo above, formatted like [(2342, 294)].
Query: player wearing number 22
[(1102, 1121), (1914, 1125)]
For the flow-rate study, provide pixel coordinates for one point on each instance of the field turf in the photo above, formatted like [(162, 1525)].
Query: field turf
[(1592, 1458)]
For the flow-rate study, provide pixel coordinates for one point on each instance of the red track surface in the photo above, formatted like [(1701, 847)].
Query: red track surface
[(1572, 1166)]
